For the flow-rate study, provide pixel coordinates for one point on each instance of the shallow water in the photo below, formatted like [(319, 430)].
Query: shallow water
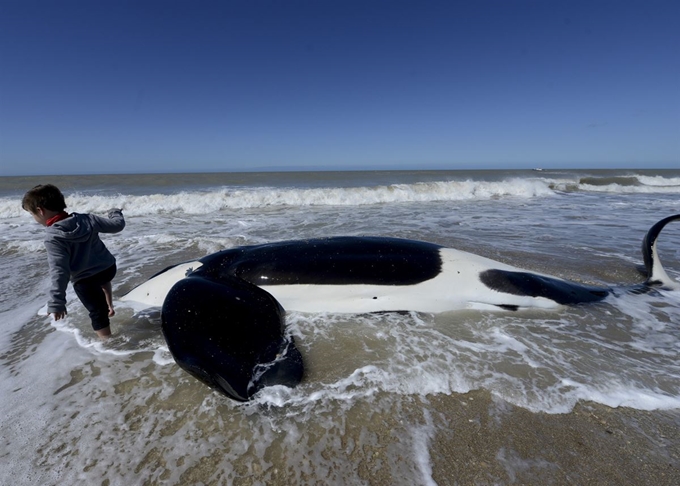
[(121, 412)]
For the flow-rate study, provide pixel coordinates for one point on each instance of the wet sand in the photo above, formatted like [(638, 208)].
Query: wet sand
[(457, 439), (492, 442)]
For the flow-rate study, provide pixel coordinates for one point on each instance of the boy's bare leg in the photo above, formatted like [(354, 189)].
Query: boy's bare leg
[(104, 333), (109, 298)]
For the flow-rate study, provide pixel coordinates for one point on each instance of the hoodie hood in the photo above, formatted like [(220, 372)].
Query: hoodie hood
[(77, 228)]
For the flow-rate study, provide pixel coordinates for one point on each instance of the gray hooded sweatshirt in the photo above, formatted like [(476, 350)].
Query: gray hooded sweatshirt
[(75, 252)]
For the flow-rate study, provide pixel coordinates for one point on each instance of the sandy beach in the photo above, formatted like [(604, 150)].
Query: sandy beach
[(491, 442), (487, 442)]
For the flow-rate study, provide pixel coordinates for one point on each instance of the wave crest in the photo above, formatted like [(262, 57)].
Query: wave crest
[(204, 202), (224, 198)]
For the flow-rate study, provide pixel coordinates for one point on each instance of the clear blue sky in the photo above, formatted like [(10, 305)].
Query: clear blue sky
[(138, 86)]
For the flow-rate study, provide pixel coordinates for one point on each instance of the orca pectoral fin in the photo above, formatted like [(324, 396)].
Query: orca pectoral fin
[(532, 285), (220, 331)]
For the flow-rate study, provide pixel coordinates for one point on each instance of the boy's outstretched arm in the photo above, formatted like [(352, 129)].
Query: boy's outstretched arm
[(114, 224)]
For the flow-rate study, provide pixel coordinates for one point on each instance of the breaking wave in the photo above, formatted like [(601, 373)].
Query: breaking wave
[(224, 198), (204, 202)]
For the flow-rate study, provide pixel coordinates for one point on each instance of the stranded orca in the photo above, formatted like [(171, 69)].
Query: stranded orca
[(223, 315)]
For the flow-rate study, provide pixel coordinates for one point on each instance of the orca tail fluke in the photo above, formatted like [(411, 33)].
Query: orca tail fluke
[(656, 275)]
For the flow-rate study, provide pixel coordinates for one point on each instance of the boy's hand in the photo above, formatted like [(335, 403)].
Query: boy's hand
[(59, 315)]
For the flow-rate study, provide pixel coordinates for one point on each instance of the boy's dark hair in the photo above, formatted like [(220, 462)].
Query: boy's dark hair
[(46, 196)]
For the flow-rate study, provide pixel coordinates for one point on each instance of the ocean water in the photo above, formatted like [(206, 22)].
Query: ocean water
[(80, 411)]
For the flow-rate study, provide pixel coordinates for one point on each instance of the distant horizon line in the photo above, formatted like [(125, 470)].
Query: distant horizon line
[(306, 169)]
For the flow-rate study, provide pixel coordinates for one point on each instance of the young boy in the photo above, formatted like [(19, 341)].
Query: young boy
[(75, 252)]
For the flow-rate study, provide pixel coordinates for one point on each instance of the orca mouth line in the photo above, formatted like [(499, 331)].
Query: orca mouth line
[(225, 329), (508, 307)]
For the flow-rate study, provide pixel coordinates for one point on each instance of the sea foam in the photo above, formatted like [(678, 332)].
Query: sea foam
[(217, 199)]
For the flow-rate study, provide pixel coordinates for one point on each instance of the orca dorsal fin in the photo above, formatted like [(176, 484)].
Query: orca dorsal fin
[(656, 275)]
